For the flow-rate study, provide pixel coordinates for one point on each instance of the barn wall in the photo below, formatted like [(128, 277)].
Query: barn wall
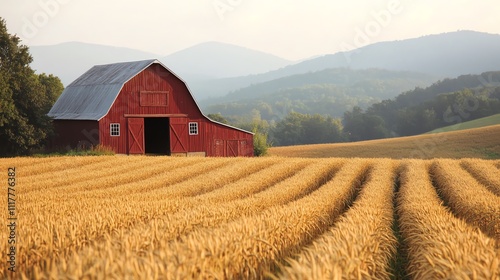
[(157, 78), (117, 143), (73, 133), (217, 134), (179, 101)]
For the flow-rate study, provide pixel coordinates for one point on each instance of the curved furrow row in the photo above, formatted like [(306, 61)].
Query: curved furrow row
[(143, 182), (64, 208), (244, 248), (257, 182), (439, 245), (41, 166), (63, 217), (467, 198), (178, 218), (196, 180), (484, 172), (154, 211), (141, 178), (240, 184), (281, 187), (42, 183), (105, 216), (33, 163), (207, 182), (362, 243)]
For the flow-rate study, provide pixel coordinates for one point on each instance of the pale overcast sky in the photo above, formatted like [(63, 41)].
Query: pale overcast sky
[(292, 29)]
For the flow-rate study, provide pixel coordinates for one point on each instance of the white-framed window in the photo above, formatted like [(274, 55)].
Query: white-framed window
[(193, 128), (114, 129)]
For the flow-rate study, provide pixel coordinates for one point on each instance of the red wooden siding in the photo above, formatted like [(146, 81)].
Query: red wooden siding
[(154, 98), (218, 148), (155, 92), (179, 135), (135, 135), (215, 137), (71, 133)]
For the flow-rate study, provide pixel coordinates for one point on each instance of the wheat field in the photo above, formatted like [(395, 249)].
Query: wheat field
[(119, 217)]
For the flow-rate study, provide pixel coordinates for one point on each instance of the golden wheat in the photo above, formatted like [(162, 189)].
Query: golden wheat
[(108, 257), (210, 210), (362, 243), (485, 172), (31, 162), (55, 165), (466, 197), (68, 178), (439, 245), (171, 218), (109, 214), (139, 177), (251, 245)]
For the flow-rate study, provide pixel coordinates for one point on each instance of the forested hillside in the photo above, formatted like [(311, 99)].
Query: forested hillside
[(444, 103), (314, 119), (328, 92), (441, 55)]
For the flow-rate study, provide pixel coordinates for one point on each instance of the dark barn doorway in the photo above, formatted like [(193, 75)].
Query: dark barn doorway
[(157, 136)]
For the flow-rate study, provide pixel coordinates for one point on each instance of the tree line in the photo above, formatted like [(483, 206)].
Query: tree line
[(327, 92), (25, 98), (446, 102), (294, 129)]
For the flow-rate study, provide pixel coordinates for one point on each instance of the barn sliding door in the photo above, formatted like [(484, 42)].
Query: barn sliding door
[(178, 135), (218, 148), (135, 135), (233, 148)]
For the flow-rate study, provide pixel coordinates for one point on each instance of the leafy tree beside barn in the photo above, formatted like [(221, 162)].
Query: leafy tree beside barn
[(25, 98)]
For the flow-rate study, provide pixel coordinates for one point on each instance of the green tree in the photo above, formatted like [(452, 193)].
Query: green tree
[(218, 118), (289, 131), (25, 99), (298, 129), (353, 124), (364, 126), (260, 144)]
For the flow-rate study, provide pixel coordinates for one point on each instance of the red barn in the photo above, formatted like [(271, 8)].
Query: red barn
[(141, 108)]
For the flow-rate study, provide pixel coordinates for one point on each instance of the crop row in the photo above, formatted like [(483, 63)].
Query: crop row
[(171, 218), (438, 244)]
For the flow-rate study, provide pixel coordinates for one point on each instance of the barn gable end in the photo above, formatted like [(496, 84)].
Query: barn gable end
[(140, 108)]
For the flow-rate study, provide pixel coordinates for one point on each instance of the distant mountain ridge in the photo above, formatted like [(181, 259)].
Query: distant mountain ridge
[(212, 60), (346, 77), (215, 69), (201, 62), (442, 55), (70, 60), (327, 92)]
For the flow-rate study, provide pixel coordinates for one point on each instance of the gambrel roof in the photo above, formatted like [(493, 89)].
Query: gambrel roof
[(91, 95)]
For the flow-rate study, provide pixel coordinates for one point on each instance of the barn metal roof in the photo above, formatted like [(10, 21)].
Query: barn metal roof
[(91, 96)]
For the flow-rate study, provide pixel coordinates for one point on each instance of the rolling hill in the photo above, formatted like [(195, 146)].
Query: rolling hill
[(482, 122), (472, 143), (212, 60), (442, 55), (214, 69), (206, 61), (328, 92), (70, 60)]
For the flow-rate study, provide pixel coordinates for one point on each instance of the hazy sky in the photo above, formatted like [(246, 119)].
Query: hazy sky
[(292, 29)]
